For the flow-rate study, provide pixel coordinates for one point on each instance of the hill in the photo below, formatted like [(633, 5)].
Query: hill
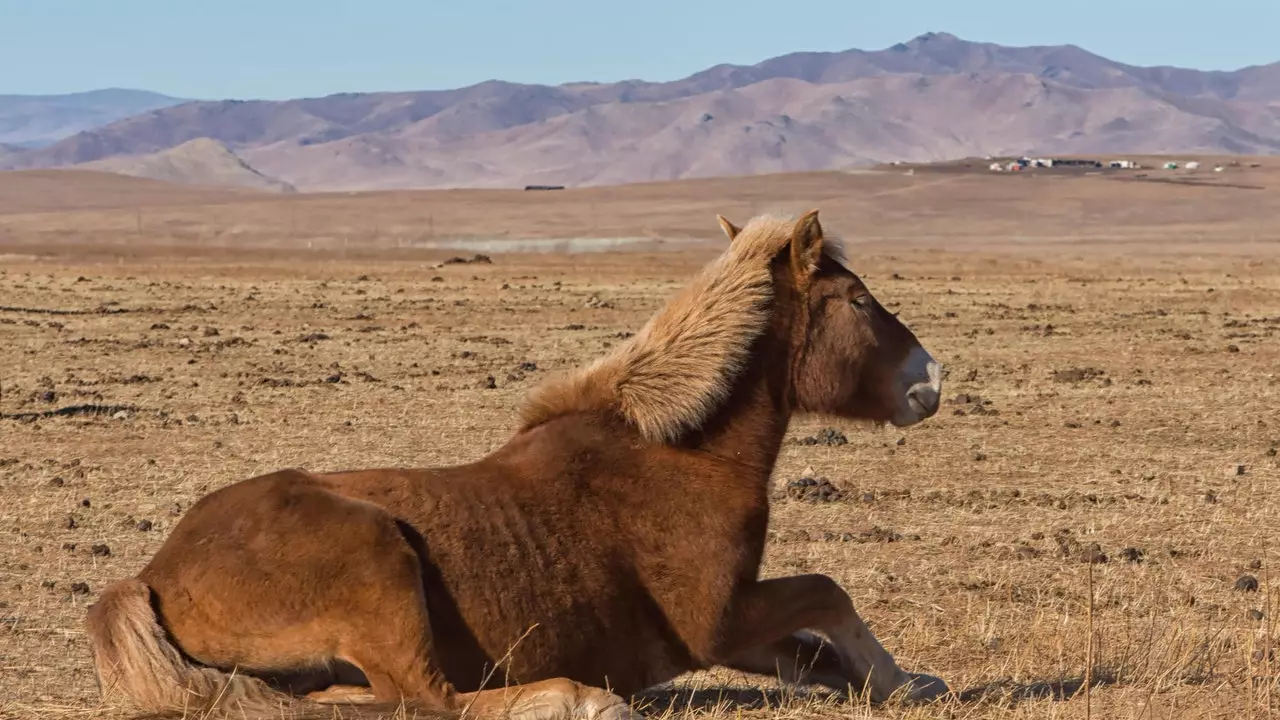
[(37, 120), (43, 193), (936, 97), (196, 162)]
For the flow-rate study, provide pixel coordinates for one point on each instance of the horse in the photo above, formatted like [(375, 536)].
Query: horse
[(613, 543)]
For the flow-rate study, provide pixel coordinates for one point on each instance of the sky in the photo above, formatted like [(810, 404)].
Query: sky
[(276, 49)]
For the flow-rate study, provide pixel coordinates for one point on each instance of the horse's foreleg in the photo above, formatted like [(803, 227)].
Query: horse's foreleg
[(801, 659), (767, 620)]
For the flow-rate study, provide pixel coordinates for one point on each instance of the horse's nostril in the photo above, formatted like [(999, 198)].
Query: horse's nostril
[(926, 397)]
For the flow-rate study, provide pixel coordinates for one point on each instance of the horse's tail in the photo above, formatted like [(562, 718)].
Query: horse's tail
[(136, 662)]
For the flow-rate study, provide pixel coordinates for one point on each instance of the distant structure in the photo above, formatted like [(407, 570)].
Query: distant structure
[(543, 187), (1193, 165), (1023, 163), (1122, 164)]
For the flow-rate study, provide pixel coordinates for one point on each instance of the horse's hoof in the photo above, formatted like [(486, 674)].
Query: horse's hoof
[(614, 709), (342, 694), (925, 687)]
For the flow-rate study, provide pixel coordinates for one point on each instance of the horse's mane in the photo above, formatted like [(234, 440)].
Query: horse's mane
[(680, 367)]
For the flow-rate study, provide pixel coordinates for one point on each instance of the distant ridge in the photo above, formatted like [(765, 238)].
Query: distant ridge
[(935, 97), (196, 162), (38, 120)]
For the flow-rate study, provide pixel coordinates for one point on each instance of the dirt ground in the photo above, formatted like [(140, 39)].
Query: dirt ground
[(1109, 432)]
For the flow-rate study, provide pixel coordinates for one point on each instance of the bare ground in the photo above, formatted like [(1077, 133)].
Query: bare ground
[(1110, 416)]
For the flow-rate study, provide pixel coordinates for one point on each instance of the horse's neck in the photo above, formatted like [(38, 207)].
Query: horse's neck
[(750, 427)]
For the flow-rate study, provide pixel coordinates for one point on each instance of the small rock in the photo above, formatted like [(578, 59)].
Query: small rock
[(901, 441), (1133, 554), (489, 383), (811, 489), (826, 436), (1074, 375), (1255, 564), (1093, 554), (101, 550), (80, 588), (144, 525), (71, 522), (1255, 615), (979, 457), (1246, 583), (48, 396), (84, 502)]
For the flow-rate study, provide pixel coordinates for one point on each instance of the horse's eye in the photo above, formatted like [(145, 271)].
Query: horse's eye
[(862, 301)]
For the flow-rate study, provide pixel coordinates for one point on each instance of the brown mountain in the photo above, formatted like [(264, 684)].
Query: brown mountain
[(196, 162), (935, 97)]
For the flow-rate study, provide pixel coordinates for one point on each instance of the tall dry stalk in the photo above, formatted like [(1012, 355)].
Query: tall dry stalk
[(1088, 657)]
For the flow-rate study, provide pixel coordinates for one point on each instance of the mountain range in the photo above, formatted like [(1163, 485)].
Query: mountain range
[(936, 97), (28, 121)]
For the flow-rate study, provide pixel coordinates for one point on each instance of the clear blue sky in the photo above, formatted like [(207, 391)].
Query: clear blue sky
[(291, 48)]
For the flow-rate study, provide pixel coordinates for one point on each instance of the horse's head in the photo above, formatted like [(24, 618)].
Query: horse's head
[(853, 358)]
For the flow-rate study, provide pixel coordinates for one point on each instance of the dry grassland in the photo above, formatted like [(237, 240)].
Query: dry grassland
[(1110, 430)]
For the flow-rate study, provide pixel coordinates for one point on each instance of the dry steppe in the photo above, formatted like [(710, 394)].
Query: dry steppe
[(1099, 484)]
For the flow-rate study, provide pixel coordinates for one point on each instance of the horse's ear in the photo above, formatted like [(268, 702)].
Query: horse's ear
[(729, 228), (806, 245)]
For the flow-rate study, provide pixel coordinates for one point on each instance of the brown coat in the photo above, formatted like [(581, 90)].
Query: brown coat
[(613, 542)]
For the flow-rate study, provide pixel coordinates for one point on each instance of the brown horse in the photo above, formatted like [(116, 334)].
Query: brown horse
[(614, 541)]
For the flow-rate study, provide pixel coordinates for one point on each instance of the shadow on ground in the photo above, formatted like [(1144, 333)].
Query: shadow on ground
[(659, 701)]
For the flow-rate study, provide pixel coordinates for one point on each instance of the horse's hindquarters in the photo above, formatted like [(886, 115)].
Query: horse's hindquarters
[(277, 575)]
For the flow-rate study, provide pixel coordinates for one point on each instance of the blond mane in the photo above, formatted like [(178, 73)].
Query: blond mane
[(680, 367)]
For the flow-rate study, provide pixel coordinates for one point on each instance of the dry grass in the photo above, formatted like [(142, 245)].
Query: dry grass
[(1121, 396)]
